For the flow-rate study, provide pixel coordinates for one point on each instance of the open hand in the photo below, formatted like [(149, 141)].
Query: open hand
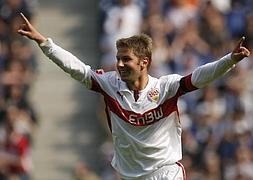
[(29, 31), (240, 51)]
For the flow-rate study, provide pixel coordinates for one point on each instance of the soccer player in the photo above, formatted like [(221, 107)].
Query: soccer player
[(142, 110)]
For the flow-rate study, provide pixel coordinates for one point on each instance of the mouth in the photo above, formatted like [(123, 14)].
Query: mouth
[(123, 73)]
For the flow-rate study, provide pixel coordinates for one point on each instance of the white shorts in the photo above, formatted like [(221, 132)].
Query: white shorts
[(169, 172)]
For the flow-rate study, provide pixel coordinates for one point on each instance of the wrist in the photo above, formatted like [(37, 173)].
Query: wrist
[(46, 43), (41, 39), (231, 58), (234, 59)]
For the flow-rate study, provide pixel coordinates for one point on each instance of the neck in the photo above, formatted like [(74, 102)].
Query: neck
[(139, 84)]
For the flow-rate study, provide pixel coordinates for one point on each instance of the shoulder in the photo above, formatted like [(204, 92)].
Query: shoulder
[(170, 84), (101, 74), (170, 78), (109, 78)]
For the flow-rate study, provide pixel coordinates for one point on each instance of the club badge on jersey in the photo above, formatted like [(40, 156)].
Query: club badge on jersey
[(153, 95)]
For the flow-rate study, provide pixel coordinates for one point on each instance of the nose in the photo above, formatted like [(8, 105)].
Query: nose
[(120, 63)]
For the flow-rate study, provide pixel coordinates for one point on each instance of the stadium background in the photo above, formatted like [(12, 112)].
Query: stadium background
[(58, 127)]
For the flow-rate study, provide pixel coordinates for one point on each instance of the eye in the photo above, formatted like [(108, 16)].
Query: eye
[(123, 58)]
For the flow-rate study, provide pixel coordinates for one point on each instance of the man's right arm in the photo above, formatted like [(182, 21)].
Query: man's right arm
[(66, 61)]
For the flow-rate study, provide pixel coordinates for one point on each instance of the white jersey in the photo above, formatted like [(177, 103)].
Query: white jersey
[(146, 133)]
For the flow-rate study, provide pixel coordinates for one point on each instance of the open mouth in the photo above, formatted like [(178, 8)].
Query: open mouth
[(123, 73)]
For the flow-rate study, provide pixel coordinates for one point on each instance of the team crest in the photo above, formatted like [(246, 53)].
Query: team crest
[(153, 95)]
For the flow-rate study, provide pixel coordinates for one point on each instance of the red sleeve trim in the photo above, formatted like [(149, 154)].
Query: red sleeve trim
[(95, 86), (186, 85)]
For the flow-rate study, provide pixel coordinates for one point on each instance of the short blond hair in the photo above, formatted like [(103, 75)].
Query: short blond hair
[(140, 44)]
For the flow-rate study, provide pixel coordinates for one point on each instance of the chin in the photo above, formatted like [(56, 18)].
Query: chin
[(125, 79)]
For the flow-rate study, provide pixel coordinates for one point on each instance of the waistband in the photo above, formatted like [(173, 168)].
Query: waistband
[(160, 170)]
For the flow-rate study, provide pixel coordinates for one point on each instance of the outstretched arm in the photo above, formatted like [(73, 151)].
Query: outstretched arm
[(29, 31), (64, 59), (207, 73)]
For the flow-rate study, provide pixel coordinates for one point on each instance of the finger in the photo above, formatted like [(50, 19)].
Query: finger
[(246, 52), (240, 42), (25, 19), (23, 33)]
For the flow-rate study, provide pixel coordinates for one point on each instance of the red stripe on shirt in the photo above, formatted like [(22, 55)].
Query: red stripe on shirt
[(137, 119), (141, 119), (96, 87)]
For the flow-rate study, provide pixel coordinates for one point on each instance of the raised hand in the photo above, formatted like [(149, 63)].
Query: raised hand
[(29, 31), (240, 51)]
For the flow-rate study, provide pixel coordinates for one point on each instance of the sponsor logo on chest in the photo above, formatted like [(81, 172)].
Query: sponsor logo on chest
[(146, 118)]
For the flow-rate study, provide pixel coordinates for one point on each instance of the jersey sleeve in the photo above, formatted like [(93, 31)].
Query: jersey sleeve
[(207, 73), (177, 85), (68, 62)]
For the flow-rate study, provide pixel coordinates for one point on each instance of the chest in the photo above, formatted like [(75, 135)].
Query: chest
[(140, 101)]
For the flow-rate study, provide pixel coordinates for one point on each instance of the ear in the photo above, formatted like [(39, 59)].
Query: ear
[(144, 63)]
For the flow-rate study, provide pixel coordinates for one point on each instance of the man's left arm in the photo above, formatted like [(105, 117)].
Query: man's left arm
[(207, 73)]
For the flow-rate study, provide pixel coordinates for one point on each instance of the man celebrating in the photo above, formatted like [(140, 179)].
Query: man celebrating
[(142, 110)]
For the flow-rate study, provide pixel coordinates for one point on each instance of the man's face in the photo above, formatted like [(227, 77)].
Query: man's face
[(128, 65)]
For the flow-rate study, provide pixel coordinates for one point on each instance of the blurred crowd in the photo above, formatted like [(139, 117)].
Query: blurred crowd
[(217, 120), (18, 120)]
